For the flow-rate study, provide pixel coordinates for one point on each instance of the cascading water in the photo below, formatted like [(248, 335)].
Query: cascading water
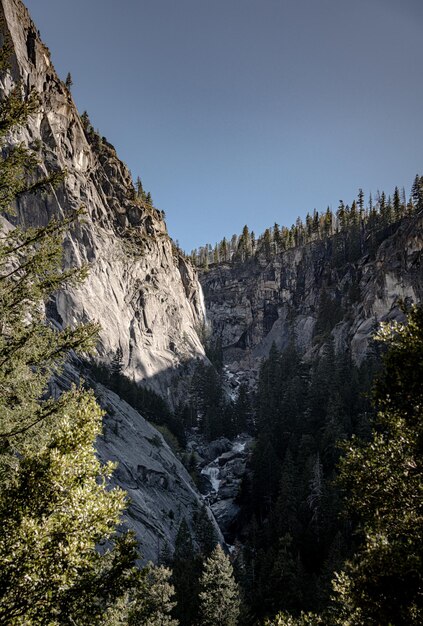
[(202, 302), (212, 473), (203, 306), (238, 446)]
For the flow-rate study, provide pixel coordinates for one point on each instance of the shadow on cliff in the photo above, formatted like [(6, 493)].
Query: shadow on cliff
[(168, 409)]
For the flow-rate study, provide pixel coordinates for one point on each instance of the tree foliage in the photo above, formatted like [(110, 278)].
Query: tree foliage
[(54, 511), (349, 232), (383, 582), (219, 597)]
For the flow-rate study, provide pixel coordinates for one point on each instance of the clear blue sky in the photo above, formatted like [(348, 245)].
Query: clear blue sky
[(247, 111)]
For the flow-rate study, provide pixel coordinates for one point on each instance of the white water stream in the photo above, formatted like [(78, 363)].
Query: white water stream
[(238, 446), (202, 303), (212, 473), (212, 470)]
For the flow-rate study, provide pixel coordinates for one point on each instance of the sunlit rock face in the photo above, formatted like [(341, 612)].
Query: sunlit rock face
[(250, 306), (140, 289)]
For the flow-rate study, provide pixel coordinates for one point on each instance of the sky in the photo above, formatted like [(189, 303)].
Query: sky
[(252, 112)]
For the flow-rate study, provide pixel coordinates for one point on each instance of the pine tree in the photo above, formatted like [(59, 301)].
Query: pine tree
[(277, 237), (398, 207), (117, 362), (417, 192), (219, 597), (223, 250), (185, 574), (382, 583), (30, 271), (360, 198), (140, 189), (242, 409), (244, 244), (68, 81), (205, 533), (153, 604), (267, 244)]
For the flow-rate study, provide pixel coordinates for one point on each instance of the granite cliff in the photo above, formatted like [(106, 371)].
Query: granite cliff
[(149, 303), (250, 305), (140, 288)]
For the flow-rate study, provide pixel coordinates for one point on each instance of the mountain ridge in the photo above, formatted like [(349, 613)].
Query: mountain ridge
[(253, 304)]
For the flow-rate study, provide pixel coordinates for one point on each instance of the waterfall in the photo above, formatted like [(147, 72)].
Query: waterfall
[(202, 303), (238, 447), (212, 473), (206, 324)]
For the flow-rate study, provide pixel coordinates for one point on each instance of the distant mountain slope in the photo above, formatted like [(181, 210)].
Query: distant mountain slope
[(308, 293)]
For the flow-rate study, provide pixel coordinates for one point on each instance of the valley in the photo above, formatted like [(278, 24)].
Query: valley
[(227, 378)]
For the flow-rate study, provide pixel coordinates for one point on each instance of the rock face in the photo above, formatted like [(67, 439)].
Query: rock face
[(160, 489), (254, 304), (223, 464), (140, 288)]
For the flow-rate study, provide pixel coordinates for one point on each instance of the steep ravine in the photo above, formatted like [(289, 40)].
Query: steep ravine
[(150, 306)]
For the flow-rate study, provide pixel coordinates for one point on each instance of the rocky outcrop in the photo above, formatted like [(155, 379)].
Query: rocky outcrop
[(140, 288), (160, 491), (254, 304), (222, 464)]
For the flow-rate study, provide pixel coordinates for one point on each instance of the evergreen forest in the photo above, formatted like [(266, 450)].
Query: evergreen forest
[(354, 229)]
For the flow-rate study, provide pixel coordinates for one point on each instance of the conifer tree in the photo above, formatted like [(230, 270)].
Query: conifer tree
[(152, 604), (360, 198), (276, 237), (383, 582), (417, 192), (140, 189), (185, 574), (397, 204), (223, 250), (219, 597), (267, 243), (204, 531), (69, 81)]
